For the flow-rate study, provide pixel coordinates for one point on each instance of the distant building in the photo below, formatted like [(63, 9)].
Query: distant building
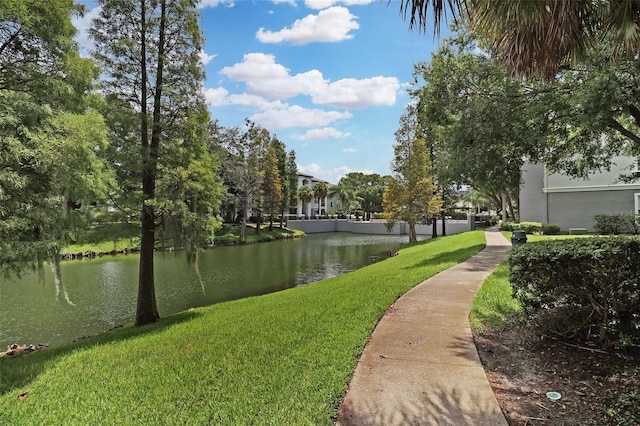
[(315, 207), (573, 203)]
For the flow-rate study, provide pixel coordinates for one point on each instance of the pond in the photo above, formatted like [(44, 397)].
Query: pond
[(99, 294)]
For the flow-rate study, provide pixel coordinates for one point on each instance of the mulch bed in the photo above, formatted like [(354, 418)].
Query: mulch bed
[(596, 387)]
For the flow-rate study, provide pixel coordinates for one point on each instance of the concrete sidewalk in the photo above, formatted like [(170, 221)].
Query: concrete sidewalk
[(421, 366)]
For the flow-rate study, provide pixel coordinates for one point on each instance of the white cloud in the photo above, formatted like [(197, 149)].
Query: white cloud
[(350, 93), (291, 2), (216, 96), (349, 150), (330, 175), (297, 116), (323, 4), (254, 101), (324, 133), (329, 25), (214, 3), (264, 77), (206, 58), (82, 24), (220, 96)]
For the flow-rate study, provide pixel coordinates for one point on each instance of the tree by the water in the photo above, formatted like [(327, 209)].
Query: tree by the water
[(410, 195), (365, 189), (272, 185), (51, 137), (149, 53)]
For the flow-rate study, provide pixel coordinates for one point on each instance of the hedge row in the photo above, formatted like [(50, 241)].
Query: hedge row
[(531, 227), (581, 288)]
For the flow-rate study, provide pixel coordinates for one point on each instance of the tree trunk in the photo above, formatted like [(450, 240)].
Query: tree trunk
[(503, 199), (282, 218), (258, 220), (434, 228), (412, 232), (147, 309), (444, 229), (511, 208), (243, 226)]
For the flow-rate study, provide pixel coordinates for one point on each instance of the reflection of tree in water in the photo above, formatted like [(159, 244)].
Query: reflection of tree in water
[(57, 279), (192, 259)]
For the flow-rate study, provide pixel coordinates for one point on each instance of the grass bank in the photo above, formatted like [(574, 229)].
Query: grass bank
[(282, 358), (104, 246), (227, 235), (230, 235)]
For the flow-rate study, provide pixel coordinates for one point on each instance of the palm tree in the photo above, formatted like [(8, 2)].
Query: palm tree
[(305, 194), (320, 190), (476, 198), (346, 195), (537, 37)]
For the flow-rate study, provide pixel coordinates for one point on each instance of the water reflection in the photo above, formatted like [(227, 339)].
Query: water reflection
[(103, 291)]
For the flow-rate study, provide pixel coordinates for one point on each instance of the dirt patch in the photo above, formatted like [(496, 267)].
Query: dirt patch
[(596, 388)]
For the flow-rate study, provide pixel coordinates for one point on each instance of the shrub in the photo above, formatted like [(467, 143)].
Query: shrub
[(550, 229), (531, 227), (617, 223), (586, 288), (458, 215), (379, 216), (509, 226), (485, 221)]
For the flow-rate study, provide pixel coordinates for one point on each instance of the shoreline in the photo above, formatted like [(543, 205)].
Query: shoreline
[(224, 241)]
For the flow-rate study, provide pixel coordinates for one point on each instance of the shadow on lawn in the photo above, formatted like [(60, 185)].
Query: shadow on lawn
[(449, 256), (18, 372)]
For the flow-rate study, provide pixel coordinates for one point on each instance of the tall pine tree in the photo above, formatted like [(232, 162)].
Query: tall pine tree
[(149, 53)]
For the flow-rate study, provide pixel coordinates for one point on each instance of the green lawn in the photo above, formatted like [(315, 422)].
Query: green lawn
[(531, 238), (229, 235), (282, 358), (494, 302), (104, 246)]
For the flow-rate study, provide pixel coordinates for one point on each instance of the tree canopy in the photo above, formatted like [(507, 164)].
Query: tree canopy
[(47, 159), (410, 195), (537, 37), (149, 54)]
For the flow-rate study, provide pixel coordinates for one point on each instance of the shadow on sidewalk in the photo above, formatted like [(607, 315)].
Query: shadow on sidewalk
[(437, 407)]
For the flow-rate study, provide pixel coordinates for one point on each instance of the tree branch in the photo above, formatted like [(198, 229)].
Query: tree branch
[(9, 40), (635, 113), (615, 125)]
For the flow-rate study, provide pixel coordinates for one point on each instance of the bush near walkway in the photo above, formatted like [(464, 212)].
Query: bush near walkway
[(587, 288), (531, 227)]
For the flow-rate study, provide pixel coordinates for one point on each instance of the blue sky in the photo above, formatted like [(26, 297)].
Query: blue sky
[(328, 77)]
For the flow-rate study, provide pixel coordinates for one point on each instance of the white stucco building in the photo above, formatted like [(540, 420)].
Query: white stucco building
[(573, 203), (315, 207)]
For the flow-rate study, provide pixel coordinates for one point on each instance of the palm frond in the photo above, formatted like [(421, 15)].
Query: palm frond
[(418, 12)]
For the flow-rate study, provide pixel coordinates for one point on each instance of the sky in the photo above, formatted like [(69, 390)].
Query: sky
[(327, 77)]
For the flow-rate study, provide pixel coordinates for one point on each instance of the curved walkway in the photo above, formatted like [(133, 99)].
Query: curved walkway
[(421, 366)]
